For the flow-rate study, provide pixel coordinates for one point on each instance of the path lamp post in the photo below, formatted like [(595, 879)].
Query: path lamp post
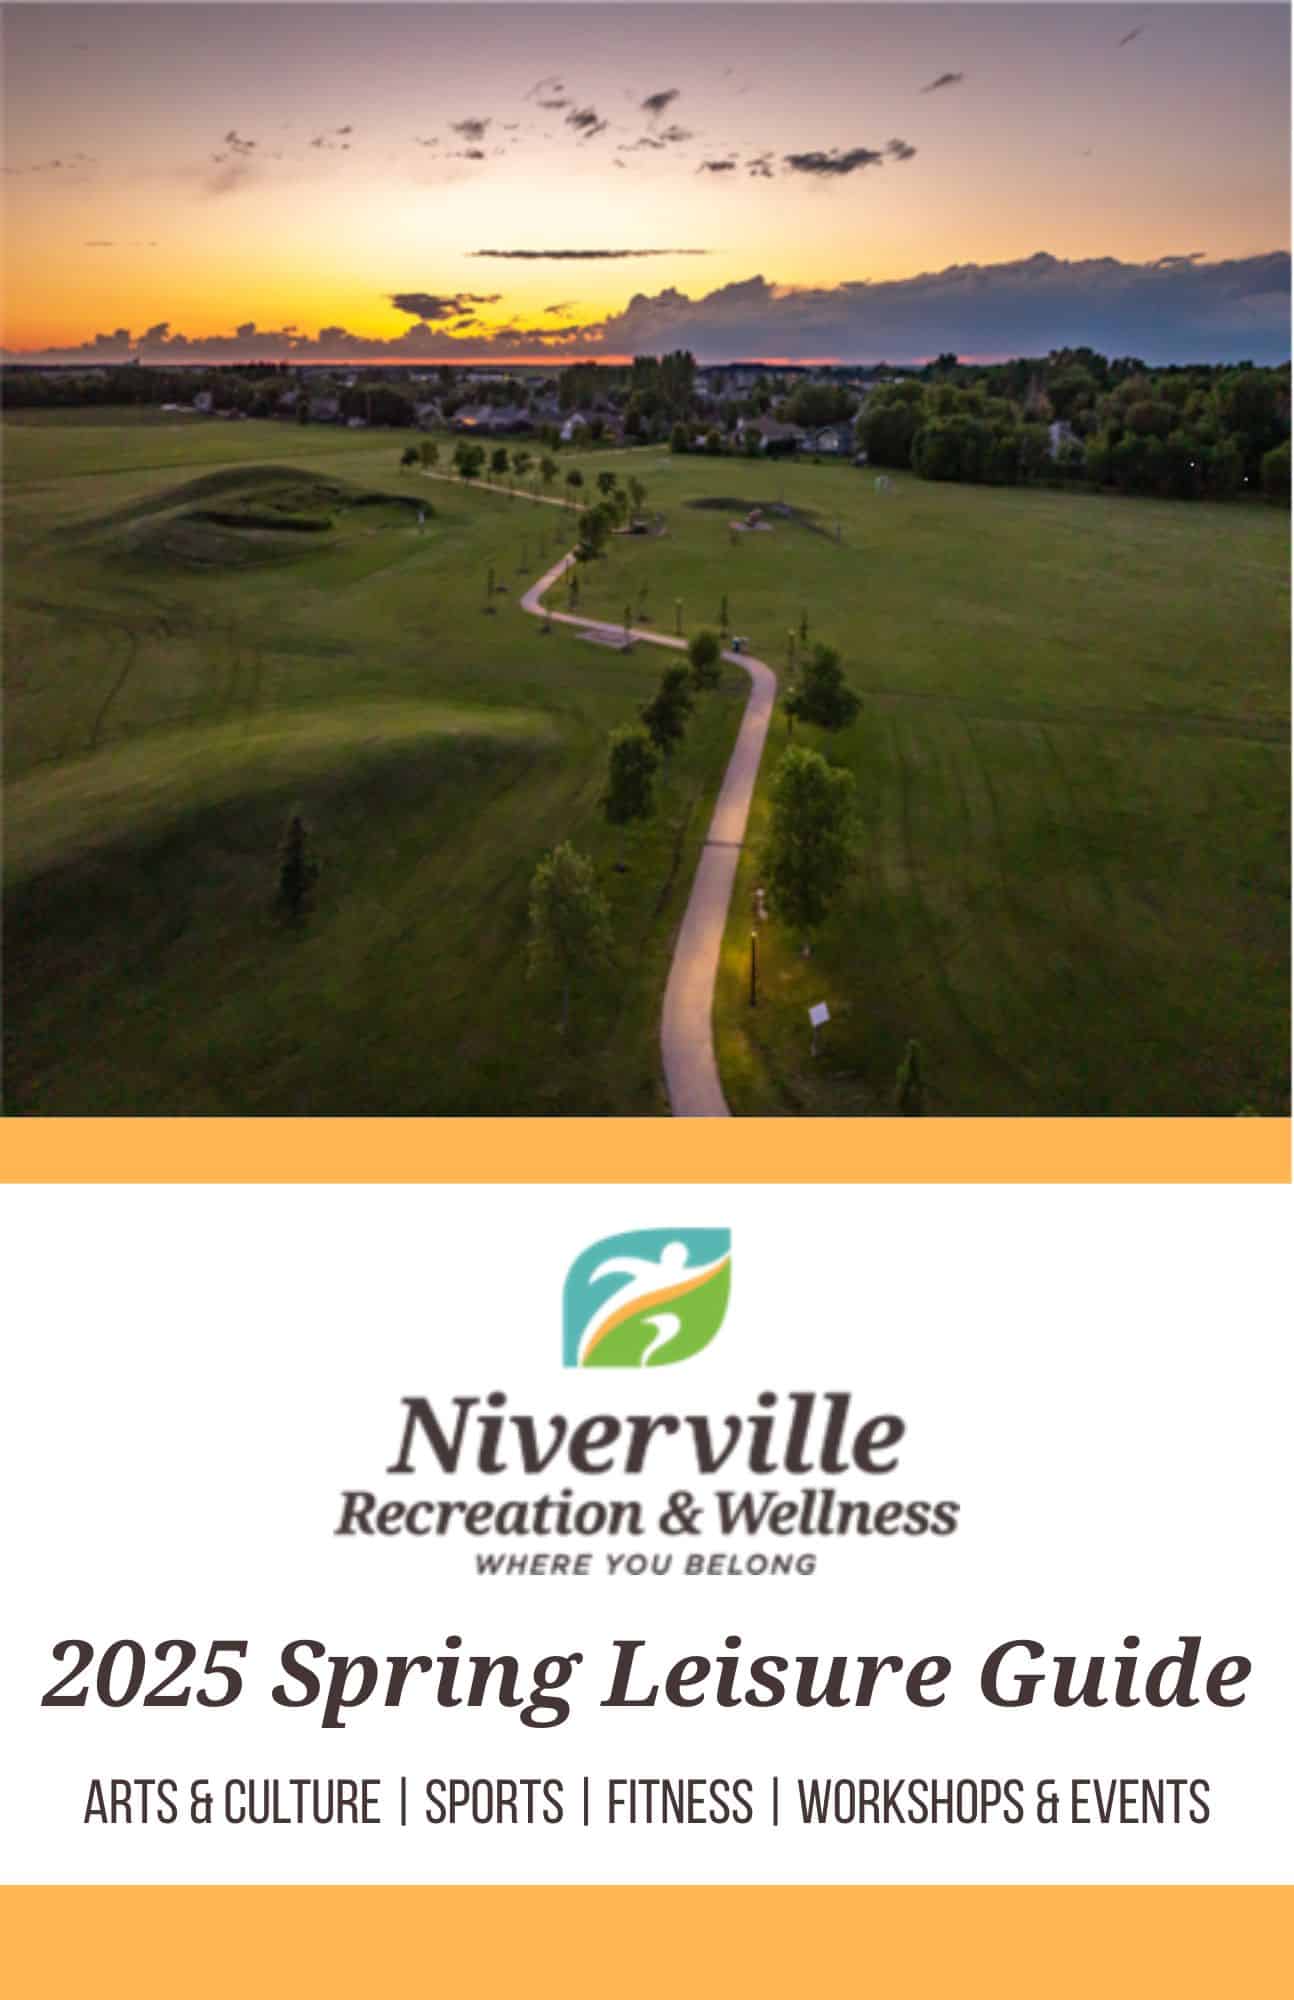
[(754, 968)]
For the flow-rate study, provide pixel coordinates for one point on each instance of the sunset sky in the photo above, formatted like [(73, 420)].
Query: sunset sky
[(847, 182)]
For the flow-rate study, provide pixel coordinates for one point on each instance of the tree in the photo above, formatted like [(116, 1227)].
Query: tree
[(678, 438), (499, 461), (575, 478), (632, 763), (521, 463), (665, 715), (410, 455), (547, 471), (570, 922), (909, 1084), (468, 459), (714, 443), (820, 693), (808, 852), (298, 870), (606, 484), (637, 495), (816, 403), (430, 452), (703, 652), (890, 420), (594, 529), (1276, 473)]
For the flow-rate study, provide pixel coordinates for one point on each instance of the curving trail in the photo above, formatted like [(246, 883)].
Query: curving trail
[(687, 1022)]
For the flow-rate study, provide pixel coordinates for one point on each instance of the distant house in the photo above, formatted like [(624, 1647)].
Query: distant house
[(427, 416), (356, 423), (510, 419), (833, 439), (324, 409), (573, 425), (1058, 436), (490, 419), (772, 435), (203, 401)]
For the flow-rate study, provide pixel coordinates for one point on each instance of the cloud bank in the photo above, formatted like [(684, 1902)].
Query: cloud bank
[(1176, 308)]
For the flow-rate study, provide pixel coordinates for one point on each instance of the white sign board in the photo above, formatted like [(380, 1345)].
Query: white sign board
[(820, 1015)]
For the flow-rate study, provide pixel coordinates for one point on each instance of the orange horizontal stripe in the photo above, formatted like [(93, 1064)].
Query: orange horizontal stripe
[(644, 1151), (692, 1943)]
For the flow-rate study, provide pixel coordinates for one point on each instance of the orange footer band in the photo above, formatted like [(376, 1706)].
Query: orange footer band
[(645, 1943)]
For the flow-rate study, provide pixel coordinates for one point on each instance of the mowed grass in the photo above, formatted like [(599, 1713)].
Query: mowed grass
[(178, 684), (1072, 767)]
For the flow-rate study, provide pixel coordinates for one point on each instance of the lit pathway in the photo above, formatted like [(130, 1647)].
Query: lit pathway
[(687, 1023)]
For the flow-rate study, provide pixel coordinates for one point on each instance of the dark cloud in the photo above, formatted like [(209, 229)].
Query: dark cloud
[(562, 306), (426, 142), (717, 167), (826, 166), (586, 122), (1125, 39), (554, 103), (1187, 257), (761, 167), (645, 144), (344, 131), (658, 103), (472, 129), (237, 145), (899, 149), (574, 256), (944, 82), (99, 243), (1173, 310), (674, 135), (469, 153), (549, 85), (1180, 311), (433, 307)]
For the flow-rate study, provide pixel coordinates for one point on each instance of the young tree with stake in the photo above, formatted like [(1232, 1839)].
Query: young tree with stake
[(632, 764), (703, 653), (809, 850), (665, 715), (298, 870), (570, 921)]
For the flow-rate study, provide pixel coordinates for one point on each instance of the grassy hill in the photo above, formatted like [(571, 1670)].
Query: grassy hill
[(208, 626), (1071, 761)]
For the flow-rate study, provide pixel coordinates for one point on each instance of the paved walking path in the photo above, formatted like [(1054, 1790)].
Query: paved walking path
[(687, 1023)]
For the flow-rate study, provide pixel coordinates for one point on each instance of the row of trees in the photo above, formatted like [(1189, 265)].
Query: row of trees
[(1177, 433)]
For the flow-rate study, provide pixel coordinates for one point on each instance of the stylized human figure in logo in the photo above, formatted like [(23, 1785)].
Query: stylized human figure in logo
[(657, 1282), (645, 1279)]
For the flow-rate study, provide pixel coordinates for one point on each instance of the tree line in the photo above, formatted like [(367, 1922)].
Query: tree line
[(1175, 433)]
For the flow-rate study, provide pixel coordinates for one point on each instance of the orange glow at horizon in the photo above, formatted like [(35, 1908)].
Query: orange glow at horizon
[(319, 161)]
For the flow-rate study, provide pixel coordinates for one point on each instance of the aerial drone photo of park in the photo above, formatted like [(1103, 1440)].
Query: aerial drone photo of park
[(789, 696)]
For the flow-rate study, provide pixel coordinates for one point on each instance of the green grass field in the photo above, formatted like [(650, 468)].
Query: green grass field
[(1072, 881), (190, 655)]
